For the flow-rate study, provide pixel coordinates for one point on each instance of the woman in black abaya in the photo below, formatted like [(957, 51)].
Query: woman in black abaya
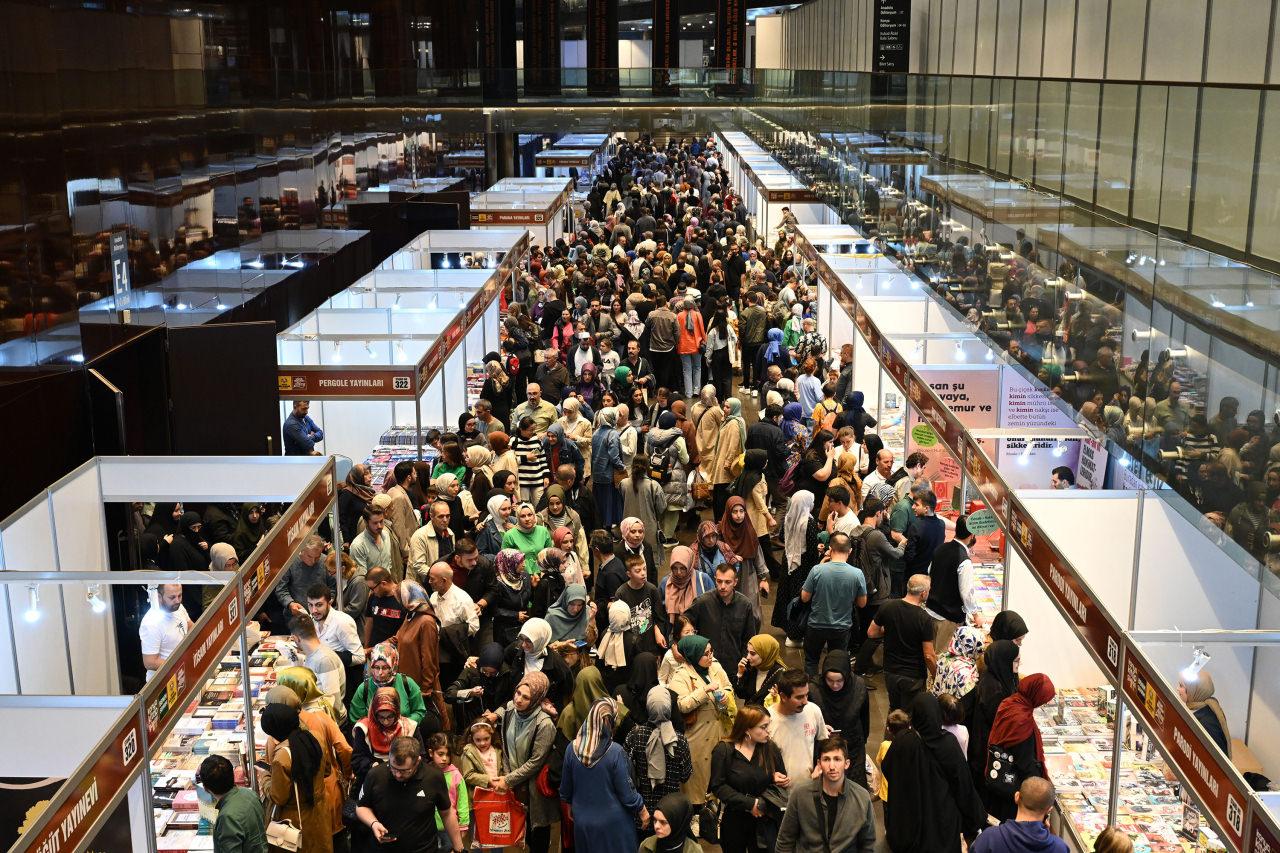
[(998, 682), (842, 696), (932, 800)]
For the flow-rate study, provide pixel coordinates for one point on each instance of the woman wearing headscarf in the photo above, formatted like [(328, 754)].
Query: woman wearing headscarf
[(752, 486), (1008, 625), (800, 543), (384, 661), (298, 768), (222, 558), (856, 416), (549, 582), (794, 327), (504, 458), (710, 551), (355, 495), (708, 416), (842, 696), (496, 525), (559, 450), (689, 427), (668, 452), (793, 427), (596, 783), (577, 429), (926, 774), (958, 666), (704, 692), (606, 455), (730, 445), (573, 554), (252, 525), (622, 385), (630, 330), (532, 652), (528, 735), (1015, 732), (1197, 693), (332, 743), (302, 682), (496, 391), (589, 389), (478, 688), (672, 819), (617, 646), (448, 489), (479, 477), (774, 352), (189, 552), (659, 754), (570, 614), (509, 598), (557, 513), (997, 682), (418, 642), (643, 498), (738, 534), (372, 734), (758, 671), (683, 582)]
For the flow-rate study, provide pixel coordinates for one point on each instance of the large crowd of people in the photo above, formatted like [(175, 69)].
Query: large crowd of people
[(569, 608)]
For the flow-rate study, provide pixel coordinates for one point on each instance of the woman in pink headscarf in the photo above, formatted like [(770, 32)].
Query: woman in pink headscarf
[(684, 582)]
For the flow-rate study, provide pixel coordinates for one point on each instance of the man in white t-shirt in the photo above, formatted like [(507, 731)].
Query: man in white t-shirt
[(795, 725), (163, 627), (336, 629), (842, 519), (884, 469)]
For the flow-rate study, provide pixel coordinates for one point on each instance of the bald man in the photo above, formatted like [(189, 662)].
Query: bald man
[(452, 604), (163, 627), (1027, 832)]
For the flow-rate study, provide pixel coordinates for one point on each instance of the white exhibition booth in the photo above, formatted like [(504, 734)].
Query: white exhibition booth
[(766, 187), (65, 669), (60, 639), (402, 349), (539, 204)]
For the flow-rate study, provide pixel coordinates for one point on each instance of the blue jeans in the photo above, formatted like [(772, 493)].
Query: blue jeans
[(692, 366)]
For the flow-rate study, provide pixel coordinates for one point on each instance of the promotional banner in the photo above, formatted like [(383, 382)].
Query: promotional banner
[(1029, 463), (666, 44), (970, 393), (1092, 470), (1026, 406), (542, 47), (602, 47)]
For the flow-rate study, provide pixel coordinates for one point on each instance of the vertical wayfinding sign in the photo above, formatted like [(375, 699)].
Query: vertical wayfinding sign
[(120, 284), (892, 36)]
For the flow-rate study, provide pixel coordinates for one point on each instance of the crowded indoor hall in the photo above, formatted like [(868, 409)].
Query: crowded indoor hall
[(637, 444)]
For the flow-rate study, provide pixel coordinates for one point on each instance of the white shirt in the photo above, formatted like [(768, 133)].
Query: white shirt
[(847, 523), (795, 735), (965, 571), (331, 677), (874, 479), (162, 631), (456, 607), (338, 631)]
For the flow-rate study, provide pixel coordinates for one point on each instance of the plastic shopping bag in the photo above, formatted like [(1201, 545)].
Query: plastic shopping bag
[(498, 818)]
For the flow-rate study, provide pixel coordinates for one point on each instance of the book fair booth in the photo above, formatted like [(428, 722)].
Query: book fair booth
[(402, 350), (1103, 604), (540, 204), (766, 187), (120, 774)]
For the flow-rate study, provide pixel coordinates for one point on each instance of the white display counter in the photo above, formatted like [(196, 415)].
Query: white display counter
[(532, 202)]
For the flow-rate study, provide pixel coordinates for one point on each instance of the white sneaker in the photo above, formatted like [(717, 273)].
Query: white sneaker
[(793, 644), (693, 828)]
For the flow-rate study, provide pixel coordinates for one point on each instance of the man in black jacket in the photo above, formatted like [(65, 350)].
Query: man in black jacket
[(951, 601), (766, 435), (925, 533), (724, 617)]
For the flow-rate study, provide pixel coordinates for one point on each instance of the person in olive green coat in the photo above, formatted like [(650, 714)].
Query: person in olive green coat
[(241, 826)]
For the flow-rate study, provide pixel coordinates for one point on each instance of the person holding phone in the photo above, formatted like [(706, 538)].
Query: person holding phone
[(400, 800)]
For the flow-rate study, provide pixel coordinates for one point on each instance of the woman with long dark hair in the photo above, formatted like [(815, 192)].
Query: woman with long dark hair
[(645, 499), (749, 778)]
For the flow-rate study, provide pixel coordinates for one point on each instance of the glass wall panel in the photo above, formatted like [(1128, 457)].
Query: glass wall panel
[(1266, 204), (1224, 173), (1052, 138), (1080, 163), (1153, 102), (1115, 146), (1002, 101), (980, 126), (1179, 141), (1025, 139)]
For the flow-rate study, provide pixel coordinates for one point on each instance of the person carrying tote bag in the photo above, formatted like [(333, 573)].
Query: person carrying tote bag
[(298, 767)]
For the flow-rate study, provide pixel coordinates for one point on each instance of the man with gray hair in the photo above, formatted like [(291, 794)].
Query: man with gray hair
[(908, 632), (303, 572), (1027, 832)]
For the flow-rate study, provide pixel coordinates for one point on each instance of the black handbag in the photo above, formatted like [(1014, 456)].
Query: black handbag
[(1003, 779)]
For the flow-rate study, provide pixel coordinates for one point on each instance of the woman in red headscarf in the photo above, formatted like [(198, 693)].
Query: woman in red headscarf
[(1016, 736)]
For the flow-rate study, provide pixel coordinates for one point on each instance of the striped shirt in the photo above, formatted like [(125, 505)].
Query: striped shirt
[(531, 459)]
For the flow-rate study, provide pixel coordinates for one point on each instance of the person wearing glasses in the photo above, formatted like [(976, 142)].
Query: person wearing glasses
[(400, 800)]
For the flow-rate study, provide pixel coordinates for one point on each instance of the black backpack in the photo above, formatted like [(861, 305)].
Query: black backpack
[(662, 461), (861, 557)]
